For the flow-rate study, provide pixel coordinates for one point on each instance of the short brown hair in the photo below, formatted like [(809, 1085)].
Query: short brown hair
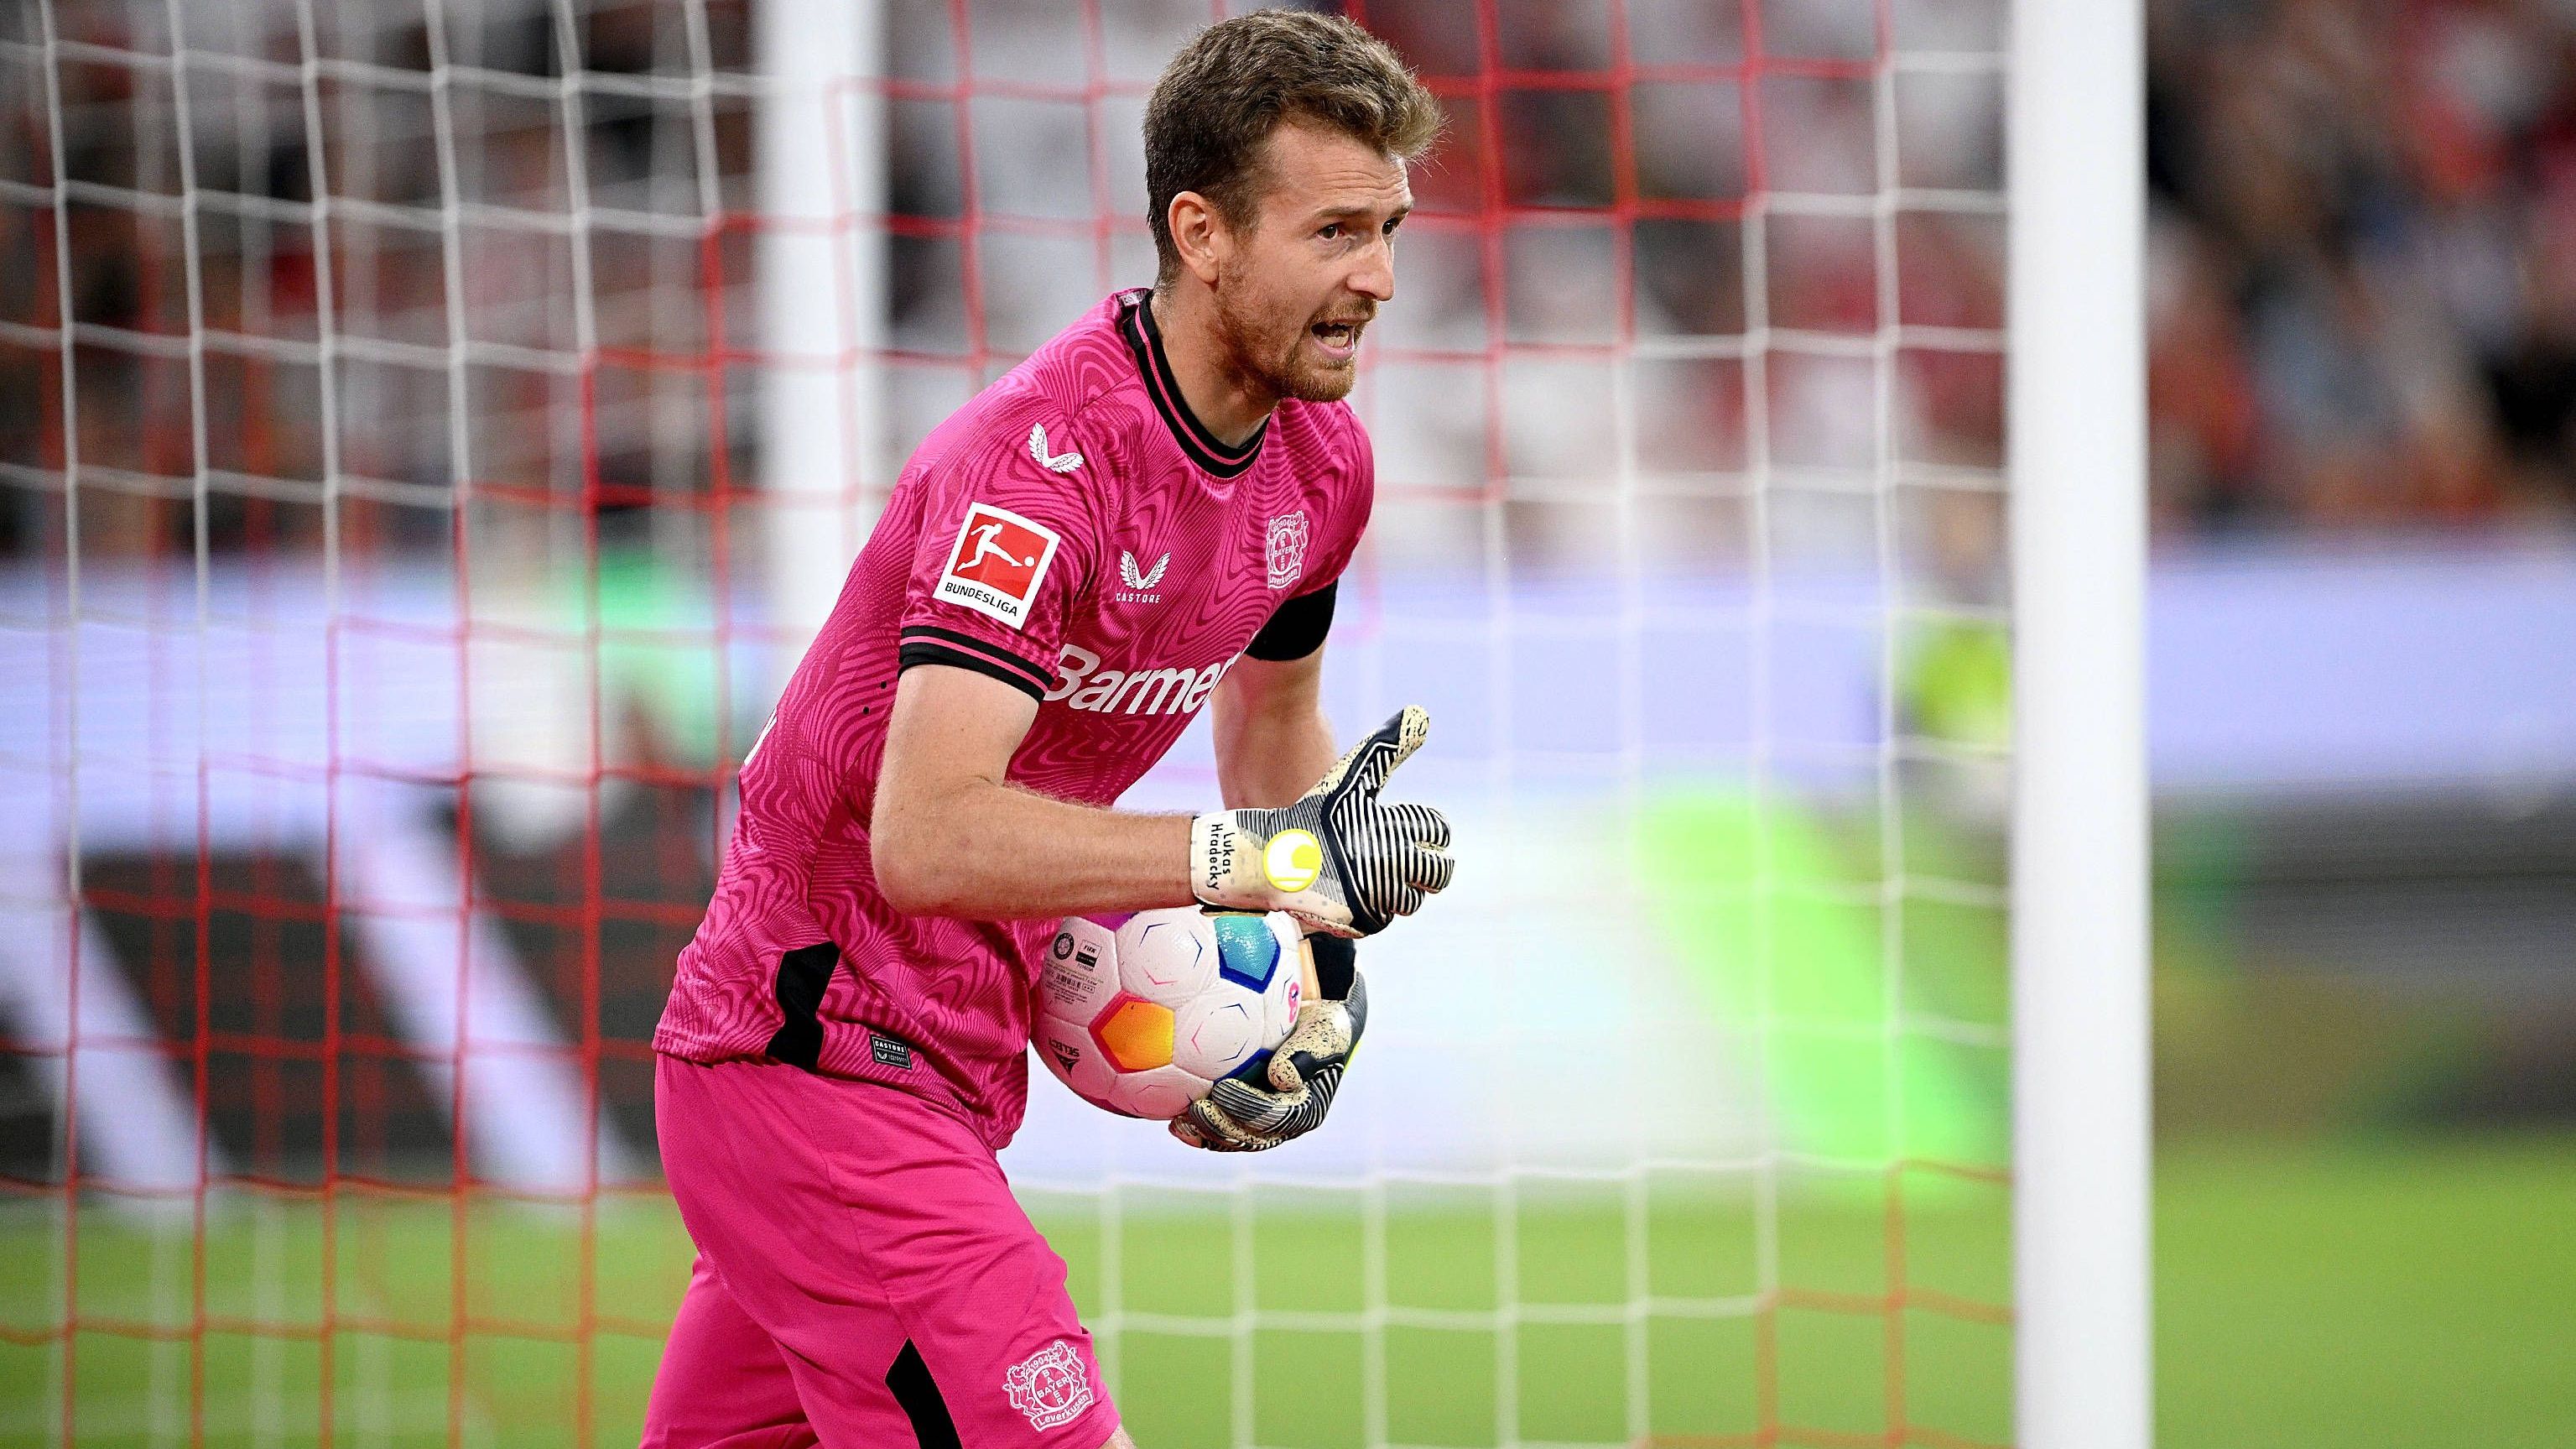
[(1223, 93)]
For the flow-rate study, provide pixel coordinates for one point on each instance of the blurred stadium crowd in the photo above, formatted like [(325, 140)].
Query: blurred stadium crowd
[(2363, 259), (2363, 266)]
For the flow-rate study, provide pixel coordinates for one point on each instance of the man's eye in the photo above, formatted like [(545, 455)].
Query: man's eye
[(1331, 231)]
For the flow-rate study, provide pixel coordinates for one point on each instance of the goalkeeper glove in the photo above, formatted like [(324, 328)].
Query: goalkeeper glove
[(1339, 859), (1239, 1116)]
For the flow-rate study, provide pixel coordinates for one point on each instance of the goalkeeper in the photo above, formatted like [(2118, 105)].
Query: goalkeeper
[(1145, 519)]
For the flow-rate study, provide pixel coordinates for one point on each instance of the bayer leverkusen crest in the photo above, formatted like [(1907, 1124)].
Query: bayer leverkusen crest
[(1286, 546), (1050, 1386)]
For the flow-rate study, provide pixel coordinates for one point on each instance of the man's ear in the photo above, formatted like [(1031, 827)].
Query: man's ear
[(1199, 235)]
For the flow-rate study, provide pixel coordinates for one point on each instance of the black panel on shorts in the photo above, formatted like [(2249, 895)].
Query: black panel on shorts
[(910, 1383), (1297, 627), (802, 975)]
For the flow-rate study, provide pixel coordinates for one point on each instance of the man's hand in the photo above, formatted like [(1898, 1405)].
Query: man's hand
[(1339, 859), (1238, 1116)]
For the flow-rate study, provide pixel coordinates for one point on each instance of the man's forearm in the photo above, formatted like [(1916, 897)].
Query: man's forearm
[(992, 851), (1270, 757), (1272, 762)]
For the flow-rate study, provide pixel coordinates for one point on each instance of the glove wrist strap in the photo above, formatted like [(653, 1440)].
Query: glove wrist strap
[(1214, 841)]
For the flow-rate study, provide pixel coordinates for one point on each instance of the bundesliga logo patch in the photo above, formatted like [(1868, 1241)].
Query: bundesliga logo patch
[(1049, 1386), (996, 564)]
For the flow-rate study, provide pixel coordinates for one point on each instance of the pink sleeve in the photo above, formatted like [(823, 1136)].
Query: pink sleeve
[(1010, 535)]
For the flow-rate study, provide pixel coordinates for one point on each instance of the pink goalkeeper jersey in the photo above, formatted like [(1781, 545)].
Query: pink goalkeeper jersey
[(1074, 532)]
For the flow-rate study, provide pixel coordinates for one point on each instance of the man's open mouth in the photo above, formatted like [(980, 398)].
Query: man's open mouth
[(1339, 336)]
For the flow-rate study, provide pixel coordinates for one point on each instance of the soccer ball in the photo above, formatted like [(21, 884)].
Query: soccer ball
[(1144, 1016)]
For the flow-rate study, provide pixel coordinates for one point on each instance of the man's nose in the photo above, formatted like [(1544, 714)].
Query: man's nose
[(1375, 277)]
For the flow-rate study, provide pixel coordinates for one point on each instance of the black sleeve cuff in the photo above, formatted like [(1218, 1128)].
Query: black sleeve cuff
[(928, 644), (1297, 628)]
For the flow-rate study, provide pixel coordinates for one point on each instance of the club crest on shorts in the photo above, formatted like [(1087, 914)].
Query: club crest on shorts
[(996, 563), (1287, 548), (1049, 1386)]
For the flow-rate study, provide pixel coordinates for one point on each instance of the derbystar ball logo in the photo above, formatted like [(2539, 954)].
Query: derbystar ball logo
[(996, 563), (1049, 1386), (1082, 684)]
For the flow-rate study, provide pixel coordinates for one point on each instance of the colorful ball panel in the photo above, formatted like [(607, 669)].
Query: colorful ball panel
[(1135, 1034), (1247, 949)]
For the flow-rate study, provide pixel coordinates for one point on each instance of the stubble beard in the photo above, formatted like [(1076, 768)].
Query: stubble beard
[(1320, 384), (1274, 365)]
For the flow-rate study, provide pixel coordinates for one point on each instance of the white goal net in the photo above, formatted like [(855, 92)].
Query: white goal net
[(426, 430)]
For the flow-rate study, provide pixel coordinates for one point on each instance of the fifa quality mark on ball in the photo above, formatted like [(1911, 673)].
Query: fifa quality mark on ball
[(1080, 972)]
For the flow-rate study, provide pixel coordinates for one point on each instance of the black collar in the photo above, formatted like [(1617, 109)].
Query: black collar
[(1136, 324)]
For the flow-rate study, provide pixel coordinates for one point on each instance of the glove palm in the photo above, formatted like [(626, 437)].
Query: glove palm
[(1304, 1073)]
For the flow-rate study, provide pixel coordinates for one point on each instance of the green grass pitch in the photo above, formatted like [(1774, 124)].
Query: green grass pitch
[(2398, 1294)]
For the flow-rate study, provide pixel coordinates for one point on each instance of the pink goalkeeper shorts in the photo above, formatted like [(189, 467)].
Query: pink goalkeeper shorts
[(864, 1276)]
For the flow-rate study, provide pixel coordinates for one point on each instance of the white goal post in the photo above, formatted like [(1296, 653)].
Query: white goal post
[(2076, 403), (822, 176)]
